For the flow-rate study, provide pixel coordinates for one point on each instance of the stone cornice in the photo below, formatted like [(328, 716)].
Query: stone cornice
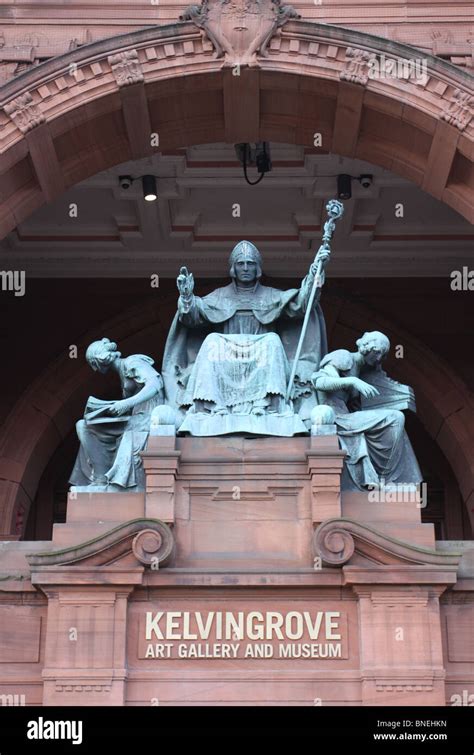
[(186, 31), (60, 64), (376, 44)]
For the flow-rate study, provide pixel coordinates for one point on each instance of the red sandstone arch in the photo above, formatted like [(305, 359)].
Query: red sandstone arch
[(97, 106), (48, 410)]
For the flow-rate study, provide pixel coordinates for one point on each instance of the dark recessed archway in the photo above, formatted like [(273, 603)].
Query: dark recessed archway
[(77, 115)]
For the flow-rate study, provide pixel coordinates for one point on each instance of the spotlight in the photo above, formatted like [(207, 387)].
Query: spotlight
[(262, 157), (149, 188), (344, 188)]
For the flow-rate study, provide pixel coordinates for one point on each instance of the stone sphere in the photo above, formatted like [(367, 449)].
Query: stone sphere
[(323, 415), (163, 415)]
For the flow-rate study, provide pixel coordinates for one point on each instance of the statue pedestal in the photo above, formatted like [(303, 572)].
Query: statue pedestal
[(251, 502), (332, 600)]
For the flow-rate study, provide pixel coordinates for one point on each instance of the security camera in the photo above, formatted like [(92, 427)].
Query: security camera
[(366, 181), (125, 182)]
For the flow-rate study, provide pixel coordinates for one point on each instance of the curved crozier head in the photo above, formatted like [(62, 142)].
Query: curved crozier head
[(101, 354), (373, 346), (245, 262)]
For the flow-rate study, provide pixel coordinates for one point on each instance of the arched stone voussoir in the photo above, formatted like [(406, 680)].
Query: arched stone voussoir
[(337, 540), (78, 112), (150, 541)]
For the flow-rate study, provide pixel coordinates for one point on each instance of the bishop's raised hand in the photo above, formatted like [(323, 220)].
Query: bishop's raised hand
[(185, 283)]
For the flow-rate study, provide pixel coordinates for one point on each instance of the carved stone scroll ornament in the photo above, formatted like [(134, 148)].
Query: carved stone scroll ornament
[(126, 68), (150, 541), (24, 112), (239, 30), (357, 66), (459, 109), (334, 544), (15, 59), (337, 540), (154, 546)]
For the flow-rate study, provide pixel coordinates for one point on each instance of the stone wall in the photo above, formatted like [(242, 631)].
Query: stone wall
[(84, 619)]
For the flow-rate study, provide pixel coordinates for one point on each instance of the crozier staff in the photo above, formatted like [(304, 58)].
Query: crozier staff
[(335, 210)]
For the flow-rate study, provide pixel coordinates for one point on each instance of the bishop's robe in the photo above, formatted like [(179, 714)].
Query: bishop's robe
[(234, 349)]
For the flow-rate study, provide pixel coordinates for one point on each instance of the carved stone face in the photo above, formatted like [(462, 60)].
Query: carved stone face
[(101, 354), (245, 270), (374, 356), (373, 347), (102, 365), (373, 351), (245, 263)]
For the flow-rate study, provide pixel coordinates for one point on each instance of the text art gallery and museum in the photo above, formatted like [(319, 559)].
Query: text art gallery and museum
[(277, 509)]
